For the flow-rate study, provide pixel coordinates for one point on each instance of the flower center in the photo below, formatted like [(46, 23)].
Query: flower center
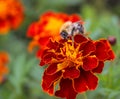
[(73, 56), (54, 23), (71, 51)]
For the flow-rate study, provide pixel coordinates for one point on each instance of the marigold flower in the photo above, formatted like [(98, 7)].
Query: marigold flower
[(42, 30), (11, 15), (73, 65), (3, 68)]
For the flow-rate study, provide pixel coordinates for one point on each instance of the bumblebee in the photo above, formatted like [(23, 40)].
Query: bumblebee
[(70, 29)]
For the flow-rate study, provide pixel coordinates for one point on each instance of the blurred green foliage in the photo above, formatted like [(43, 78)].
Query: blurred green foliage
[(101, 20)]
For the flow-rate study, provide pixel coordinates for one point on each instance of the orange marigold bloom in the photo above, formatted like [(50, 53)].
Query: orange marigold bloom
[(3, 68), (42, 30), (73, 65), (11, 15)]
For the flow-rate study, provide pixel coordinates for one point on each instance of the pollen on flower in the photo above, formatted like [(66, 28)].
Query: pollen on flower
[(11, 15), (3, 68), (71, 51)]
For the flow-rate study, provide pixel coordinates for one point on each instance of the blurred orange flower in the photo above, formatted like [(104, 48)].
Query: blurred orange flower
[(11, 15), (3, 68), (73, 65), (48, 26)]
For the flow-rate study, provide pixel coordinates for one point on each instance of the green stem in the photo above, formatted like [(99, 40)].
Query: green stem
[(110, 74), (85, 96)]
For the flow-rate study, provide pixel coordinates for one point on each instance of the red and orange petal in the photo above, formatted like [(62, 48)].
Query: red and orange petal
[(4, 26), (49, 81), (3, 68), (103, 50), (4, 57), (33, 29), (66, 89), (99, 68), (90, 63), (32, 44), (77, 62), (71, 73), (48, 26), (87, 80), (11, 15), (111, 54)]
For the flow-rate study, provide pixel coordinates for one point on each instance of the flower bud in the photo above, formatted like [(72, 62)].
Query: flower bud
[(112, 40)]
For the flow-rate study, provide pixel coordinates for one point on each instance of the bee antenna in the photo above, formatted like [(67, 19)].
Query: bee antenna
[(72, 31)]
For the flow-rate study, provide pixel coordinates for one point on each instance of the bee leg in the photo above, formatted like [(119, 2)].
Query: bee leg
[(72, 32), (72, 35), (81, 29)]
